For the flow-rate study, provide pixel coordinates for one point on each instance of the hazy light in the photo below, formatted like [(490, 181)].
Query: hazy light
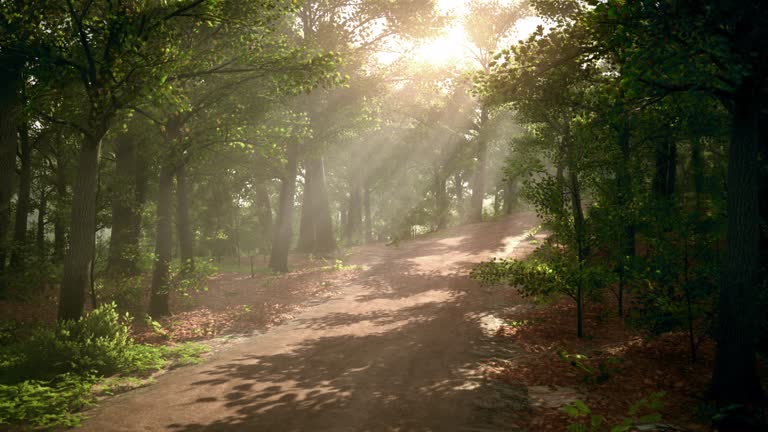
[(452, 47)]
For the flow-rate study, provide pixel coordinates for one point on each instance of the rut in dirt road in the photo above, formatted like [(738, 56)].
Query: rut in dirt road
[(398, 350)]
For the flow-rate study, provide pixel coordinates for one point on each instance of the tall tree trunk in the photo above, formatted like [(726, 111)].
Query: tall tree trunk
[(264, 209), (510, 197), (581, 247), (458, 184), (79, 259), (123, 256), (307, 223), (10, 109), (59, 221), (735, 378), (354, 231), (281, 245), (367, 222), (158, 304), (478, 185), (22, 201), (697, 168), (441, 201), (623, 200), (42, 213), (325, 240), (186, 236)]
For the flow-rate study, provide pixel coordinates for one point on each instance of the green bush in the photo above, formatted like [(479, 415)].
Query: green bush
[(98, 343)]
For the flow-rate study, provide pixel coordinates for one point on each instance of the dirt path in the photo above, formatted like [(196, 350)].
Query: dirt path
[(397, 350)]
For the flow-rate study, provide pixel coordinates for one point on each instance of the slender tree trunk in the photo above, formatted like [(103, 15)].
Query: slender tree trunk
[(697, 167), (186, 236), (325, 240), (42, 213), (458, 184), (59, 221), (281, 245), (307, 223), (579, 228), (354, 224), (10, 81), (22, 201), (158, 304), (624, 198), (735, 378), (78, 262), (441, 201), (264, 209), (367, 222), (478, 185)]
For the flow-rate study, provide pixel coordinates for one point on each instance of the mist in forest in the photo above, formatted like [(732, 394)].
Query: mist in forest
[(154, 153)]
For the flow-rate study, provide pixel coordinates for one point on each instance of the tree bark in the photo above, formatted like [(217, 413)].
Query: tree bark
[(281, 244), (59, 221), (42, 213), (79, 259), (478, 185), (186, 236), (354, 231), (735, 378), (123, 252), (10, 82), (158, 305), (441, 201), (307, 223), (458, 184), (510, 198), (264, 209), (22, 201), (367, 222), (325, 240)]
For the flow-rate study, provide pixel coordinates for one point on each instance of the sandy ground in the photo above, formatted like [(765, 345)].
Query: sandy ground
[(398, 347)]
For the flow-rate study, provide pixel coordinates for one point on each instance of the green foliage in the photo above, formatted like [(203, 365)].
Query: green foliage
[(549, 271), (644, 411), (45, 404), (592, 375)]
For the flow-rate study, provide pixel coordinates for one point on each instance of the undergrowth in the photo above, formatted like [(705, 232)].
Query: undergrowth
[(47, 374)]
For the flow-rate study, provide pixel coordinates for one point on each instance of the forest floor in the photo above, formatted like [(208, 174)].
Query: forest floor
[(398, 338)]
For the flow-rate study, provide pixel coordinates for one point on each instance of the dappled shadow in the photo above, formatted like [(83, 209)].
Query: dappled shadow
[(398, 349)]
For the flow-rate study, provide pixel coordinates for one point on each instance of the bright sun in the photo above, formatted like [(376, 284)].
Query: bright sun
[(452, 46)]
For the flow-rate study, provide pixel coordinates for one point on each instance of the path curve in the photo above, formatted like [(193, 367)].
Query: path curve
[(397, 350)]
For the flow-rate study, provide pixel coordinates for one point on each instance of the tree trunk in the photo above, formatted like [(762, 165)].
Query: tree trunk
[(623, 200), (735, 378), (367, 222), (307, 223), (123, 253), (478, 185), (10, 80), (581, 250), (441, 201), (264, 209), (354, 231), (79, 259), (281, 245), (510, 197), (22, 201), (458, 184), (59, 221), (158, 305), (186, 236), (325, 240), (42, 213)]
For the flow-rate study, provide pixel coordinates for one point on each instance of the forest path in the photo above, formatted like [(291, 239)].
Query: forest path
[(398, 349)]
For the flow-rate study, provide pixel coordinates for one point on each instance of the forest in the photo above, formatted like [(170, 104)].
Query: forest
[(383, 215)]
